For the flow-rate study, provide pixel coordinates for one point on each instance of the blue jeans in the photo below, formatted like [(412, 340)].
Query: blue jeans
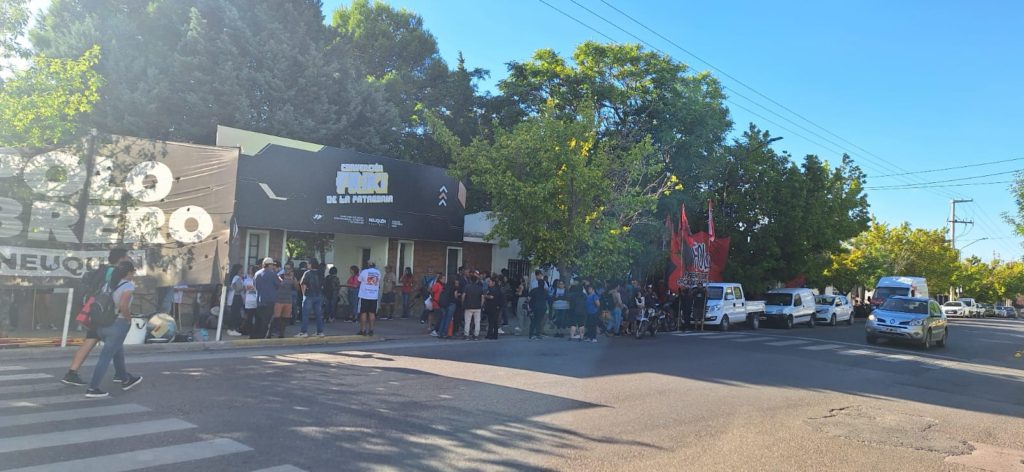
[(446, 319), (405, 304), (313, 304), (616, 321), (353, 302), (113, 349)]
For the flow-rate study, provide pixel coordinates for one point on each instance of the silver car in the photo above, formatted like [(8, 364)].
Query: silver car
[(918, 320)]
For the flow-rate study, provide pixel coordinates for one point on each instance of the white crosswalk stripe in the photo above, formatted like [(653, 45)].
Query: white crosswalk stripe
[(751, 339), (45, 417), (857, 352), (822, 347), (31, 388), (145, 458), (726, 336), (119, 421), (40, 401), (8, 368), (11, 378), (79, 436), (788, 343), (281, 468)]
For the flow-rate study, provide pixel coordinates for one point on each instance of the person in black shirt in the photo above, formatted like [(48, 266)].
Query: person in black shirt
[(472, 302), (700, 302), (494, 300), (686, 302), (538, 299)]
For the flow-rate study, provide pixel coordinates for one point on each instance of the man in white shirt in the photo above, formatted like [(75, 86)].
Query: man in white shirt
[(369, 293)]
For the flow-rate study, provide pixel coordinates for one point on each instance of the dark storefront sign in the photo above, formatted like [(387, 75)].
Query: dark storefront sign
[(330, 190), (62, 210)]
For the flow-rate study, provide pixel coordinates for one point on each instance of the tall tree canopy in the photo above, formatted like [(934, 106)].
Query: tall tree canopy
[(895, 250), (174, 70), (42, 98)]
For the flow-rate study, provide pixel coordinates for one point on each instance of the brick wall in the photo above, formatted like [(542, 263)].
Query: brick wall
[(477, 256), (433, 255)]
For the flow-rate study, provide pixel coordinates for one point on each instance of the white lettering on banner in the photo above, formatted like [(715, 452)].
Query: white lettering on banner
[(101, 224), (701, 257), (37, 168), (142, 225), (361, 183), (136, 181), (52, 218), (178, 228), (9, 164), (10, 225), (34, 262), (102, 185)]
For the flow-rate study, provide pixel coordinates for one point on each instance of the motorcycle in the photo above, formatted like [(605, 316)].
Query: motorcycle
[(652, 318)]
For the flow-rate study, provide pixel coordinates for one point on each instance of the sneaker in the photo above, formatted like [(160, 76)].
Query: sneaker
[(361, 333), (476, 338), (302, 335), (96, 393), (593, 340), (501, 331), (423, 322), (232, 332), (131, 383), (72, 378), (370, 334), (434, 333), (320, 335)]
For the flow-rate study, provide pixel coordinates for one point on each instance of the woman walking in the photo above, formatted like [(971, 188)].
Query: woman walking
[(236, 299), (121, 289)]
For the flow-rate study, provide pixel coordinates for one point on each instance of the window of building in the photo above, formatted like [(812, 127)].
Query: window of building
[(405, 255), (454, 260), (256, 247), (517, 268)]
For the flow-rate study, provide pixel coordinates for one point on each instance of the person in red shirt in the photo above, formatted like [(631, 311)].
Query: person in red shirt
[(407, 281), (353, 293)]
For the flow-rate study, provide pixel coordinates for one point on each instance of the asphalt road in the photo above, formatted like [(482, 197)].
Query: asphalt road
[(772, 399)]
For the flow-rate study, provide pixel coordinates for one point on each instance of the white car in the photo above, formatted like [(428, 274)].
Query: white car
[(955, 308), (790, 306), (832, 309), (727, 305)]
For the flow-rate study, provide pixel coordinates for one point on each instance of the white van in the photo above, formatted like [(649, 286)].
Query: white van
[(790, 306), (903, 286)]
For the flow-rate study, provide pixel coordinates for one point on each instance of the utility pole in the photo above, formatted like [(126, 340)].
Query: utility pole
[(952, 230)]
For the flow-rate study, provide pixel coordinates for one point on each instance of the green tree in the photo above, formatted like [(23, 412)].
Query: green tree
[(174, 70), (565, 196), (895, 250), (393, 48), (41, 101)]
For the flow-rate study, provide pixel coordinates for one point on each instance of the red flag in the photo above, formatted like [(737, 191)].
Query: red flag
[(684, 224), (711, 222)]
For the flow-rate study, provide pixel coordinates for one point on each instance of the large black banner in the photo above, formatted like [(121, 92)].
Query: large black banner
[(169, 203), (330, 190)]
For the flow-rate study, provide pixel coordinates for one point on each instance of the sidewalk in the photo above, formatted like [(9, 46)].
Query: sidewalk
[(335, 333)]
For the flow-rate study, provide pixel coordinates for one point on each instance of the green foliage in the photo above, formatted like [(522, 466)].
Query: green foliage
[(992, 282), (41, 101), (39, 105), (568, 198), (1017, 190), (895, 250), (174, 70)]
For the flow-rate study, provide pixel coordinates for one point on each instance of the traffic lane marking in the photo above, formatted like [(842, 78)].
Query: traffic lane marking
[(67, 415), (7, 378), (145, 458), (102, 433), (40, 401), (822, 347), (787, 343)]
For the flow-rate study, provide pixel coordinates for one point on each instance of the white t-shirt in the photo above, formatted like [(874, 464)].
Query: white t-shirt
[(179, 292), (251, 300), (127, 287), (369, 284)]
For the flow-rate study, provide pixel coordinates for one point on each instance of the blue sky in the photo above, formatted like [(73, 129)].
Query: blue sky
[(911, 85)]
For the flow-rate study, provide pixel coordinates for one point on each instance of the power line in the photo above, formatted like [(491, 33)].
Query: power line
[(924, 187), (953, 180), (881, 162), (980, 164)]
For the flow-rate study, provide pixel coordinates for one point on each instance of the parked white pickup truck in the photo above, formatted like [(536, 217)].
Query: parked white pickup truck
[(726, 306)]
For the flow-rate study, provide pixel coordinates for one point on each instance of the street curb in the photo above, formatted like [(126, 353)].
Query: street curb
[(41, 353)]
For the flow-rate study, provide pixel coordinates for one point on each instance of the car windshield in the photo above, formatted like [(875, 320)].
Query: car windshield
[(715, 293), (886, 292), (956, 304), (904, 305), (779, 299), (825, 300)]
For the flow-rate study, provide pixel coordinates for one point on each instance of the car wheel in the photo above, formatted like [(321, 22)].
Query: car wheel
[(945, 336), (789, 322), (832, 321), (872, 339), (724, 326), (810, 322), (755, 321), (849, 320), (926, 344)]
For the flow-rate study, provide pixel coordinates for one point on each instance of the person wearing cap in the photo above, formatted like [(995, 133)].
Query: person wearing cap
[(369, 293), (267, 283)]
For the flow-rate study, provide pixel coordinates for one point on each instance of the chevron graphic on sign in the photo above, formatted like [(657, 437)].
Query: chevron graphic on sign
[(442, 198)]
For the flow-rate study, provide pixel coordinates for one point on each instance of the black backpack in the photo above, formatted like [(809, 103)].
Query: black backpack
[(103, 309)]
